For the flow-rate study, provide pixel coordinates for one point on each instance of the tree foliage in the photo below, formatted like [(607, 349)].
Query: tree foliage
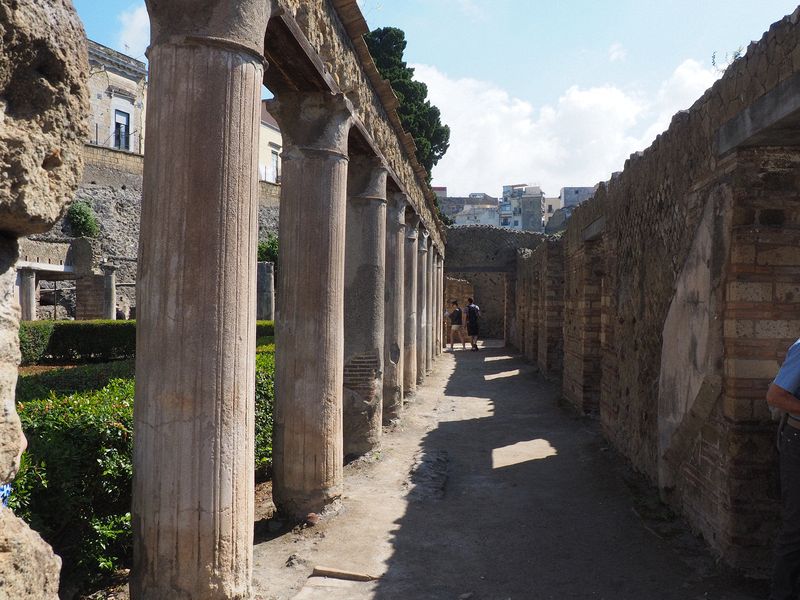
[(82, 219), (419, 117)]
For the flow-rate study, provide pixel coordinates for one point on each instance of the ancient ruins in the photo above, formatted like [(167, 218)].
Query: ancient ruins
[(345, 159), (43, 76), (664, 310), (669, 303)]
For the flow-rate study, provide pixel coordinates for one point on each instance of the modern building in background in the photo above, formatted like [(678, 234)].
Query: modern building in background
[(270, 145), (521, 207), (551, 205), (572, 196), (118, 99)]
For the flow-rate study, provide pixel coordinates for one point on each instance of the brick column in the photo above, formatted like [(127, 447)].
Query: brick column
[(393, 362), (27, 294), (422, 307), (364, 305), (309, 329), (410, 296), (192, 512)]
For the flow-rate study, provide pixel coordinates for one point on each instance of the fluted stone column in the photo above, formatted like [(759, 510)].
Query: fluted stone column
[(437, 322), (309, 362), (422, 307), (442, 306), (393, 359), (109, 292), (431, 307), (410, 296), (364, 305), (192, 513), (265, 294), (27, 294), (440, 299)]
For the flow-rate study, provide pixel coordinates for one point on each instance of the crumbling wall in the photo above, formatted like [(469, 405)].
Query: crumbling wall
[(43, 103), (680, 298), (548, 260)]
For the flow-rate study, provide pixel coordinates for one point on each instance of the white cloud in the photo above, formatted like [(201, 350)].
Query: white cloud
[(581, 139), (617, 52), (134, 35)]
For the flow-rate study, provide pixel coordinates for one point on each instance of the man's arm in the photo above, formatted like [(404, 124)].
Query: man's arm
[(779, 398)]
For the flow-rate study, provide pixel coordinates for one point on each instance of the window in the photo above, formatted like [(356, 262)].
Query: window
[(516, 223), (122, 137), (549, 208)]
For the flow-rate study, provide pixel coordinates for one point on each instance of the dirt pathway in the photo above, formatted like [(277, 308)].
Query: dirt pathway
[(489, 490)]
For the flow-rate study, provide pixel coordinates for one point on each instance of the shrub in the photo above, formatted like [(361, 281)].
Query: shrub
[(74, 484), (268, 250), (265, 402), (33, 339), (265, 329), (76, 341), (82, 220), (71, 380)]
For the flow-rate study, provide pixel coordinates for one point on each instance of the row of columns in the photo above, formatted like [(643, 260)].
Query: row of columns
[(357, 303)]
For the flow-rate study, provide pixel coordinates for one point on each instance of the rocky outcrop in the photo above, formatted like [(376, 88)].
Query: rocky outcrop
[(43, 102)]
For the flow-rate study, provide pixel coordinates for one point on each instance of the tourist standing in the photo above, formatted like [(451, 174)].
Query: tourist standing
[(473, 315), (783, 396), (456, 316)]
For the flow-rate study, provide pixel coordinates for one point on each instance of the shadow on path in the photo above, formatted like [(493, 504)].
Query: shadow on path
[(514, 497)]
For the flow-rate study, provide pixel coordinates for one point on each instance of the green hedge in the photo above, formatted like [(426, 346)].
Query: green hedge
[(34, 336), (70, 342), (67, 342), (265, 329), (74, 485)]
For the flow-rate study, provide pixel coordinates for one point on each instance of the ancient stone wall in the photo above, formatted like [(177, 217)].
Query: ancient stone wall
[(680, 298), (112, 186), (110, 158), (548, 322)]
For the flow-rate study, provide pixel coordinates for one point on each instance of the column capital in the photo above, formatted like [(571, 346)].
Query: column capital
[(239, 25), (366, 178), (423, 240), (313, 123), (396, 208)]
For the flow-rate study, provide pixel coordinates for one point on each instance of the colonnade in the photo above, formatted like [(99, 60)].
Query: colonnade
[(358, 309)]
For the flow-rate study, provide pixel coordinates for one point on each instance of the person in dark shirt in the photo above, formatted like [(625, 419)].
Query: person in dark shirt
[(456, 325), (782, 397), (473, 315)]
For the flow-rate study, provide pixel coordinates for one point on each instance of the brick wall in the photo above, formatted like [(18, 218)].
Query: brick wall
[(119, 160), (548, 325), (89, 295), (680, 297)]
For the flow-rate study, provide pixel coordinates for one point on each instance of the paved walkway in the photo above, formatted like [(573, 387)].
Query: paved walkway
[(490, 490)]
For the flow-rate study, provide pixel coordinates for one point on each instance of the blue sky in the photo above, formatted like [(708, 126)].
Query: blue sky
[(554, 93)]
